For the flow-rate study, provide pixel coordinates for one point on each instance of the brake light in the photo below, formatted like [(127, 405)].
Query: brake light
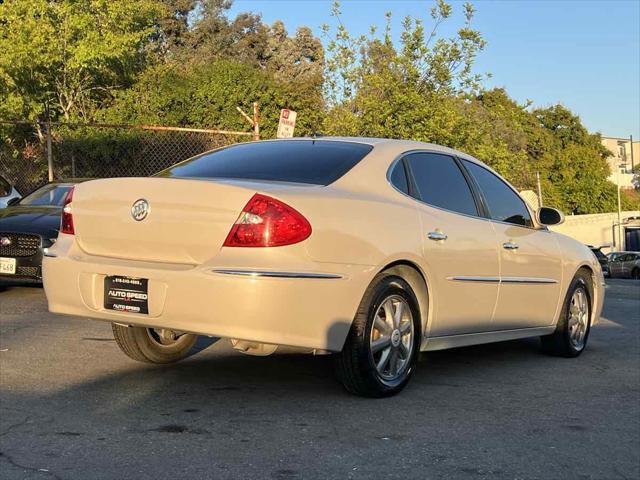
[(267, 222), (66, 223)]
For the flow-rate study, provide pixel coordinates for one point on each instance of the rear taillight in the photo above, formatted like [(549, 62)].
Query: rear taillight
[(267, 222), (66, 223)]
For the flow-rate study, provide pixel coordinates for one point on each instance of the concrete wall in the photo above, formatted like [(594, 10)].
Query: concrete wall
[(595, 229)]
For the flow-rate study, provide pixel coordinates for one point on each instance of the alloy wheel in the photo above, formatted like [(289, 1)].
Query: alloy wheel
[(578, 323), (392, 338)]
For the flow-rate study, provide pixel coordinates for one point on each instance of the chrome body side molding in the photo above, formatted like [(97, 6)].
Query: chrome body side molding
[(273, 274), (521, 280)]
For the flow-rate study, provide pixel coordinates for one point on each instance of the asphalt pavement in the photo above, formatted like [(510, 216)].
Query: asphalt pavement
[(72, 406)]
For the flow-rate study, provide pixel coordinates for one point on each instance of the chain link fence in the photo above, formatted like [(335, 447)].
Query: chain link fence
[(98, 150)]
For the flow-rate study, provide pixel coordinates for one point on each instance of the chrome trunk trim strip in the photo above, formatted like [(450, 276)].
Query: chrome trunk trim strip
[(266, 273)]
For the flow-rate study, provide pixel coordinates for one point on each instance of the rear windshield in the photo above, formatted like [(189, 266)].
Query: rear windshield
[(49, 195), (315, 162)]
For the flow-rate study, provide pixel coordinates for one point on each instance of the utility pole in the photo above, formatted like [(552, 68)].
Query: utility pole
[(619, 229), (540, 204), (631, 143)]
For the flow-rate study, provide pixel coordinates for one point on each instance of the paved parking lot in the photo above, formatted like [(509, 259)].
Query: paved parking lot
[(73, 407)]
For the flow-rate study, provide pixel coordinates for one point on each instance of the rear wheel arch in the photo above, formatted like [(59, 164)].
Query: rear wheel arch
[(416, 279)]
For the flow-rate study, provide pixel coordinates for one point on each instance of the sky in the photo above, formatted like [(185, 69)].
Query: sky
[(584, 54)]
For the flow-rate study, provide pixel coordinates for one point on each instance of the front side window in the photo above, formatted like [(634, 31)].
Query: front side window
[(316, 162), (441, 183), (503, 203)]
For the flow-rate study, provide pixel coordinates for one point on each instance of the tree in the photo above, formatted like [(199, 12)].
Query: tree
[(425, 89), (70, 54), (207, 96)]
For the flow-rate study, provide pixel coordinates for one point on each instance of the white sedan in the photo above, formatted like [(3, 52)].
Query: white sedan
[(371, 249), (8, 193)]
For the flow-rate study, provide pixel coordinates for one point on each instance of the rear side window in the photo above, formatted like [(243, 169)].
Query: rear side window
[(503, 203), (440, 182), (398, 178), (314, 162)]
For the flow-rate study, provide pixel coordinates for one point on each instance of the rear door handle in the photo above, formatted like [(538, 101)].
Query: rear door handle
[(437, 236), (510, 246)]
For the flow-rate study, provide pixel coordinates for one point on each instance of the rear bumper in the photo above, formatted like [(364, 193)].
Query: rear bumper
[(310, 312)]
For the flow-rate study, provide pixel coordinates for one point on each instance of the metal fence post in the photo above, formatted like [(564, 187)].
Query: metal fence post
[(49, 152), (256, 121)]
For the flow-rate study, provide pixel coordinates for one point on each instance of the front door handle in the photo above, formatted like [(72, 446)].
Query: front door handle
[(437, 235), (510, 246)]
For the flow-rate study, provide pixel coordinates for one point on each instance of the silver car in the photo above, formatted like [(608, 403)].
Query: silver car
[(7, 192), (625, 265)]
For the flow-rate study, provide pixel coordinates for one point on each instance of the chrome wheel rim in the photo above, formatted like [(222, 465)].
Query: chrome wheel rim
[(578, 318), (391, 340)]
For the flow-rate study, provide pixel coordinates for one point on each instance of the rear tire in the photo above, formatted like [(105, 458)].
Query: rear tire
[(380, 352), (153, 345), (573, 328)]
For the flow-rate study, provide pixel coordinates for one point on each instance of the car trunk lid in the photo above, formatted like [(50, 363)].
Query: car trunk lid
[(187, 220)]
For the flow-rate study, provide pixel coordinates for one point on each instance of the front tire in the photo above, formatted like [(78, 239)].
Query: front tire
[(572, 332), (635, 273), (153, 345), (380, 352)]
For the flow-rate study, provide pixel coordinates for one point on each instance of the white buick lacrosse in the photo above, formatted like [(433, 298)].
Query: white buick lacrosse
[(370, 249)]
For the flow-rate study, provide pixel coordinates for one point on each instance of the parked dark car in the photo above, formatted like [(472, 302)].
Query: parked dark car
[(28, 226), (613, 255), (625, 265), (602, 258)]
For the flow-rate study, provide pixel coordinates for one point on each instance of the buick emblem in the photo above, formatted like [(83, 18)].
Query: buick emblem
[(140, 209), (5, 241)]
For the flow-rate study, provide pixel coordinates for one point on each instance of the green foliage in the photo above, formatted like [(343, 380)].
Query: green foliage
[(425, 89), (206, 96), (187, 63), (71, 53)]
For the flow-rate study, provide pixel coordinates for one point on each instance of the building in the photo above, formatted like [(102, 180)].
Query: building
[(625, 155)]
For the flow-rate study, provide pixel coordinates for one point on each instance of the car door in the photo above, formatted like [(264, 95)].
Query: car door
[(459, 247), (616, 269), (530, 258), (628, 263)]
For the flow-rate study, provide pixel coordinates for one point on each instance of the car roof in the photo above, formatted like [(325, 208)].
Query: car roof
[(395, 144)]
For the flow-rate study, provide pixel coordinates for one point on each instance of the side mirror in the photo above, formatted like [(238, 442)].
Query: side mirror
[(13, 201), (549, 216)]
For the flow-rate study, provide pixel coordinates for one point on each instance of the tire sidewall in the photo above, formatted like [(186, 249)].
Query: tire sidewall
[(578, 282), (392, 285)]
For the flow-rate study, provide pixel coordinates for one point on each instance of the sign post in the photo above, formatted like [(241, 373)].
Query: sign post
[(287, 123)]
